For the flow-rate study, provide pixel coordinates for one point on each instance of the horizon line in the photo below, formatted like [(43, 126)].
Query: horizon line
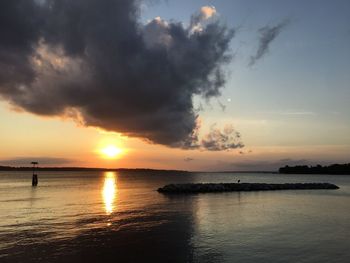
[(67, 168)]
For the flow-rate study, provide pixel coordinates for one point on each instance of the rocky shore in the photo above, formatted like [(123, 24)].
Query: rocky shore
[(237, 187)]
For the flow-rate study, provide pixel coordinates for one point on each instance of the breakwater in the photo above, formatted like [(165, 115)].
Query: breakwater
[(237, 187)]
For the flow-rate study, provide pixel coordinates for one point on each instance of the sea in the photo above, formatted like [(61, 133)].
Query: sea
[(120, 217)]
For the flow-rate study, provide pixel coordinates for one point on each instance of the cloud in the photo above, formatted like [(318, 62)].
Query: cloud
[(26, 161), (245, 152), (97, 63), (267, 35), (298, 113), (291, 113), (188, 159), (217, 140), (204, 14), (197, 19), (207, 12)]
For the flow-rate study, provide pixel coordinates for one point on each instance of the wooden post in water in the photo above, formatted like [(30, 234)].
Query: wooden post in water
[(35, 176)]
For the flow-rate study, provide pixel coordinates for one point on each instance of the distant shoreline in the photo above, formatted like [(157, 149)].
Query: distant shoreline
[(94, 169)]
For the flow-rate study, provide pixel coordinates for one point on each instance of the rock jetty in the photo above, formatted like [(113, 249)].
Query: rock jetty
[(238, 187)]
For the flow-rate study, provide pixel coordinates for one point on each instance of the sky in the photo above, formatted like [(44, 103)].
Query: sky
[(192, 85)]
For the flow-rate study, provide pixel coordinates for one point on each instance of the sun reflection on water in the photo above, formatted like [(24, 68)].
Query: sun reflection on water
[(109, 191)]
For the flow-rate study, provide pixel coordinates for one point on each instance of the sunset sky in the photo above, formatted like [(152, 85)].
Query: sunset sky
[(262, 84)]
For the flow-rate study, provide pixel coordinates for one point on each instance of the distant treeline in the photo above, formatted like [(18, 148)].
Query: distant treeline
[(318, 169)]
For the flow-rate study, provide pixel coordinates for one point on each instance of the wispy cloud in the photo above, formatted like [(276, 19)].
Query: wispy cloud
[(298, 113), (266, 35), (290, 112)]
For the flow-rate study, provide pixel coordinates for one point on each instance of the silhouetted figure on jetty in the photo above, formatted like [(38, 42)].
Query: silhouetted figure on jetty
[(238, 181), (35, 176)]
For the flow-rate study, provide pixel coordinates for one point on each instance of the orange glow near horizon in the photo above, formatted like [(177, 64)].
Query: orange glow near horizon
[(42, 140)]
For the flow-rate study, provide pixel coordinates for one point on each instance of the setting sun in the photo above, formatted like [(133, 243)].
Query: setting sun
[(111, 151)]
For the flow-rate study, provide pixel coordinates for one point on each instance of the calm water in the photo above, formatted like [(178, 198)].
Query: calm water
[(119, 217)]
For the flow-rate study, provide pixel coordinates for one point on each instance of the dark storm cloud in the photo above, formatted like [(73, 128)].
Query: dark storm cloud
[(267, 35), (95, 61), (26, 161)]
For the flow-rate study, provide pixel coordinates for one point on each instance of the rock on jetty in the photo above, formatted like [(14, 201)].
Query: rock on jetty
[(237, 187)]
